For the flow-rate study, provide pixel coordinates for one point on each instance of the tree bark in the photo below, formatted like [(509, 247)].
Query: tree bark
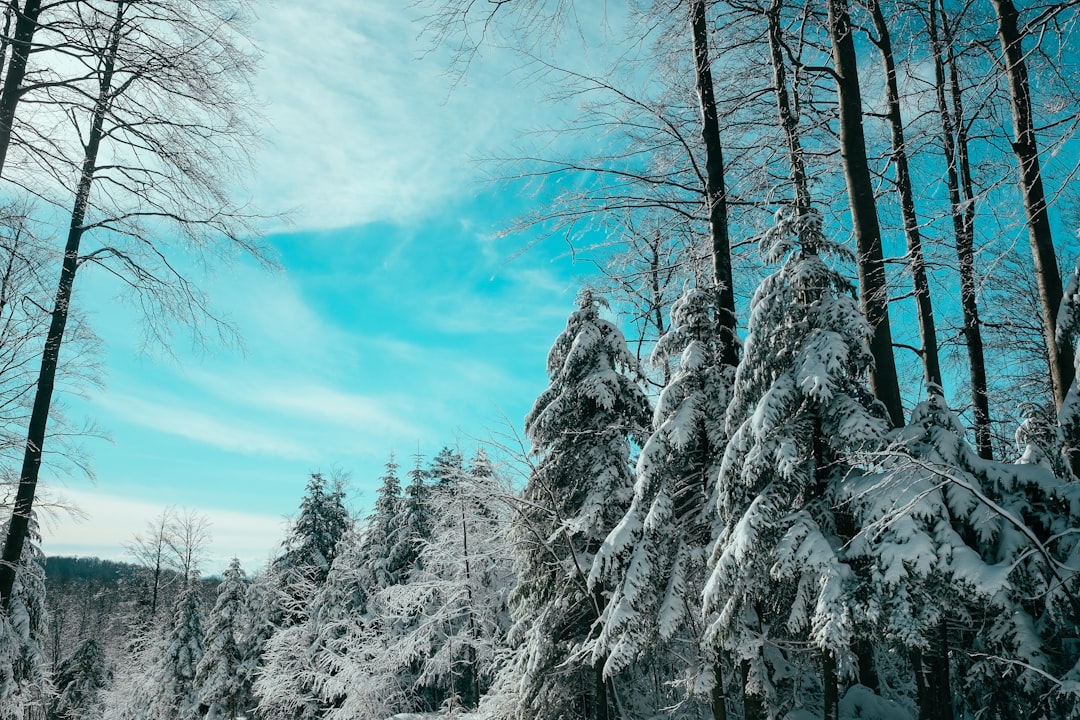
[(788, 120), (1026, 149), (25, 26), (916, 261), (715, 192), (39, 416), (830, 687), (873, 290), (962, 206), (718, 698)]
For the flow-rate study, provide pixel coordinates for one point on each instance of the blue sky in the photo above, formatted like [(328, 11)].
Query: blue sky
[(397, 321)]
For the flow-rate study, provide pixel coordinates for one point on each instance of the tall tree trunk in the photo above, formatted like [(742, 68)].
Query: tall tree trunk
[(873, 290), (1026, 149), (39, 416), (830, 686), (718, 699), (916, 261), (715, 193), (962, 206), (788, 120), (25, 26)]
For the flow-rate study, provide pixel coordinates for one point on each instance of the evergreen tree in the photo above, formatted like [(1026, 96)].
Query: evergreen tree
[(182, 650), (579, 489), (284, 672), (447, 467), (799, 406), (79, 680), (656, 555), (384, 529), (219, 676), (450, 620), (24, 670), (309, 550), (416, 522)]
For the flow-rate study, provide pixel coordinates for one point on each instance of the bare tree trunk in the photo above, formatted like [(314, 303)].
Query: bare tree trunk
[(1026, 150), (718, 700), (873, 290), (830, 687), (715, 193), (788, 121), (25, 26), (916, 261), (962, 205), (35, 439)]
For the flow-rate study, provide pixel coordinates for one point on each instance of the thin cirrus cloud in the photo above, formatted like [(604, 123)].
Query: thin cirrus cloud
[(363, 124), (202, 427)]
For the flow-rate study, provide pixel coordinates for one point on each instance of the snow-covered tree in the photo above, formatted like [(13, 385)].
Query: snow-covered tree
[(79, 680), (24, 670), (182, 650), (384, 529), (450, 620), (309, 549), (580, 488), (416, 522), (219, 677), (655, 558), (285, 678), (799, 406)]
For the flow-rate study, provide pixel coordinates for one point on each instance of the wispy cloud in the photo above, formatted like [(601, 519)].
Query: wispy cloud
[(362, 129), (201, 426), (111, 521)]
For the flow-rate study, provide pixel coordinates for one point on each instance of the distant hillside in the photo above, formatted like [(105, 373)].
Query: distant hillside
[(62, 569)]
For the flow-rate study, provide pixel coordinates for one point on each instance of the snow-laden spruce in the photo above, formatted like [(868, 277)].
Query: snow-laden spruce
[(285, 676), (799, 406), (24, 670), (177, 694), (964, 569), (579, 489), (80, 679), (655, 558), (220, 673)]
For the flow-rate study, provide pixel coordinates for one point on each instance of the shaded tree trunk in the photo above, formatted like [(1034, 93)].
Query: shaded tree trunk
[(873, 290), (830, 688), (25, 25), (1026, 149), (788, 120), (35, 439), (962, 207), (916, 261), (715, 192)]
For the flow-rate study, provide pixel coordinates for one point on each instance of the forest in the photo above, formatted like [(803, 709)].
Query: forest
[(810, 442)]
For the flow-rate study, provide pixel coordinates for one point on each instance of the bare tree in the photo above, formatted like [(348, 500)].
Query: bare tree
[(873, 291), (1025, 147), (161, 120)]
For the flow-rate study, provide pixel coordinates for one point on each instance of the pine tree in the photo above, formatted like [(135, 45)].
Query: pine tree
[(799, 406), (219, 676), (24, 670), (579, 489), (182, 650), (416, 522), (284, 672), (450, 619), (79, 680), (384, 530), (656, 556), (309, 550)]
